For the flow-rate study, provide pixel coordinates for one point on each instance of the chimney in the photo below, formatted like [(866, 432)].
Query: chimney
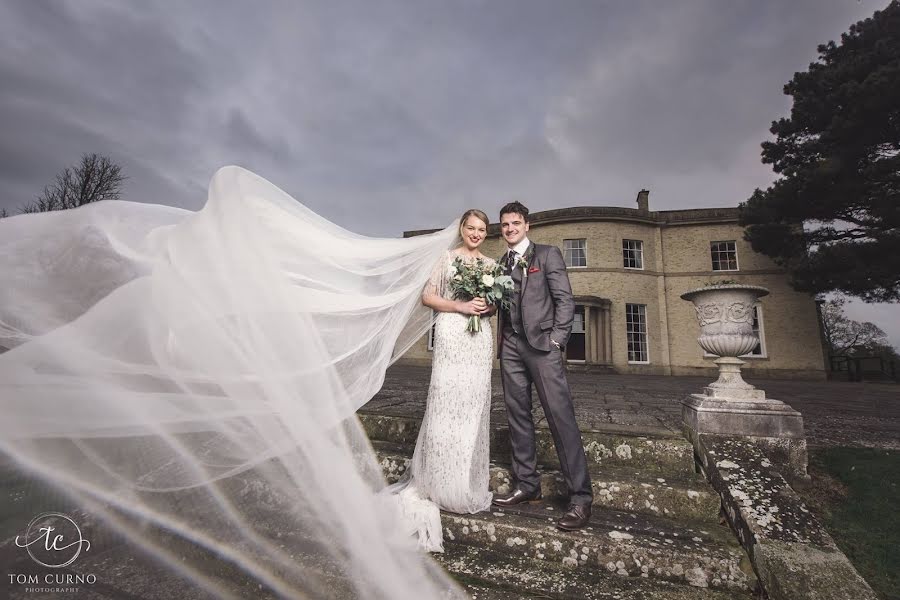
[(643, 200)]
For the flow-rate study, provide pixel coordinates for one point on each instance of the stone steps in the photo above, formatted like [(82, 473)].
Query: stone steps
[(488, 572), (615, 544), (489, 575), (622, 544), (648, 454), (617, 487), (655, 531), (650, 538), (645, 556), (665, 456), (638, 556)]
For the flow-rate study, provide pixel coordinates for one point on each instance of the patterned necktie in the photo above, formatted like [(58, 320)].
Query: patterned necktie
[(510, 260)]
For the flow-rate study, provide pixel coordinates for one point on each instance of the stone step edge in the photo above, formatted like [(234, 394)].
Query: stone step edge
[(657, 527), (618, 431), (613, 472), (660, 455), (488, 575), (657, 499), (671, 497), (602, 549)]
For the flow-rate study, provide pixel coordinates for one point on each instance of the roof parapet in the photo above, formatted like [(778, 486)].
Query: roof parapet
[(660, 218)]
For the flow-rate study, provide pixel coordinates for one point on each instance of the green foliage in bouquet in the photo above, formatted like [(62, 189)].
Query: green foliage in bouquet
[(479, 279)]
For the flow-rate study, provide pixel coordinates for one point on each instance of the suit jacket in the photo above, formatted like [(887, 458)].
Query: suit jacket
[(545, 298)]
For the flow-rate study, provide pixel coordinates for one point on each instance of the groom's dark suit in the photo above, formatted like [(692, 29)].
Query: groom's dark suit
[(542, 310)]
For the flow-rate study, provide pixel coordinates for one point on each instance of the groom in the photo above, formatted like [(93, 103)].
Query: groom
[(532, 334)]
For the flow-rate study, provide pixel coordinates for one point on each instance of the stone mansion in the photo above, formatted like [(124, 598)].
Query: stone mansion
[(628, 268)]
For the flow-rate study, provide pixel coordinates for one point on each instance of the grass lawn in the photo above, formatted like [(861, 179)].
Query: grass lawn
[(856, 492)]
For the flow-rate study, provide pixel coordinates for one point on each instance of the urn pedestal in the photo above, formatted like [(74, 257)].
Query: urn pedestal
[(730, 406)]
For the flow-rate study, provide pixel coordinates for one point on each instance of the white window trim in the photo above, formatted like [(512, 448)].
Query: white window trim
[(583, 320), (764, 352), (762, 339), (647, 333), (584, 266), (737, 260), (582, 361), (640, 268)]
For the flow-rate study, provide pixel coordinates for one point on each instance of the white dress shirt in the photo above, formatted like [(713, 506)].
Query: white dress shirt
[(521, 247)]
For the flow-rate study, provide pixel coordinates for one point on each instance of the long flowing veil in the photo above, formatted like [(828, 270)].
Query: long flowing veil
[(190, 379)]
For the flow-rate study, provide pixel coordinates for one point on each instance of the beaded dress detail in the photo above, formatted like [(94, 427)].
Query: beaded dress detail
[(450, 465)]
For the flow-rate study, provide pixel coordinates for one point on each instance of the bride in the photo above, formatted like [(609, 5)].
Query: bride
[(192, 378), (450, 464)]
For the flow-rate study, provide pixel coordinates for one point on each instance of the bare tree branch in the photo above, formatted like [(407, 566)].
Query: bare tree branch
[(844, 335), (95, 178)]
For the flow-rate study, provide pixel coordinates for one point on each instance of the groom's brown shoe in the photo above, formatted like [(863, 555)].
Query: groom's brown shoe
[(576, 517), (517, 497)]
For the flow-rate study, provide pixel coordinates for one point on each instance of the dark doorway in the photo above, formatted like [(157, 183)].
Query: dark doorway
[(575, 349)]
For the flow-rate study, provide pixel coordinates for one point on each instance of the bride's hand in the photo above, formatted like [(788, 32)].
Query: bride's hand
[(476, 306)]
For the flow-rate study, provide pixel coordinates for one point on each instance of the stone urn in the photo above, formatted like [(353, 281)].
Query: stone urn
[(730, 406), (725, 312)]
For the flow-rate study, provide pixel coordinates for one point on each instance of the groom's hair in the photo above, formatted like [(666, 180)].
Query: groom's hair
[(515, 208)]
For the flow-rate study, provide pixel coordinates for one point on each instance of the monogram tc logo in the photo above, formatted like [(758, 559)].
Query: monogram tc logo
[(53, 540)]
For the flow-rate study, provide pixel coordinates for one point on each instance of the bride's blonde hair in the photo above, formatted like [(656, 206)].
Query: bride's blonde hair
[(473, 212)]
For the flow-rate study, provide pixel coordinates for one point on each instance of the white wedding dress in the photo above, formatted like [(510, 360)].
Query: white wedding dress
[(198, 373), (450, 469)]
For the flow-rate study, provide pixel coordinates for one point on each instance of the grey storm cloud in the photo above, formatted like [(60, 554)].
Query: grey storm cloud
[(386, 116)]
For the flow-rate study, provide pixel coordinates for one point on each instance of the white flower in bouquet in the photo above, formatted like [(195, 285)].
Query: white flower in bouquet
[(488, 280)]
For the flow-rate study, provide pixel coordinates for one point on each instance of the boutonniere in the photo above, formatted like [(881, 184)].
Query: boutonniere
[(522, 263)]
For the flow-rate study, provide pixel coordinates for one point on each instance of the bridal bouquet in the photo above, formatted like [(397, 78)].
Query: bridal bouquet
[(479, 279)]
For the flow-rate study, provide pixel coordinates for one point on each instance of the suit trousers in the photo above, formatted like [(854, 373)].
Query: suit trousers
[(520, 366)]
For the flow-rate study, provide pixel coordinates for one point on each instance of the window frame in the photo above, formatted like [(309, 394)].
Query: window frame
[(761, 332), (583, 314), (583, 332), (583, 248), (639, 250), (737, 263), (645, 333)]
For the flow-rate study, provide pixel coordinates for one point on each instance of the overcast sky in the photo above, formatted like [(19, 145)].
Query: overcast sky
[(386, 116)]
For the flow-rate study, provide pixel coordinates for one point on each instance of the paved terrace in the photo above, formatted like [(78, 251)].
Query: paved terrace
[(835, 413)]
